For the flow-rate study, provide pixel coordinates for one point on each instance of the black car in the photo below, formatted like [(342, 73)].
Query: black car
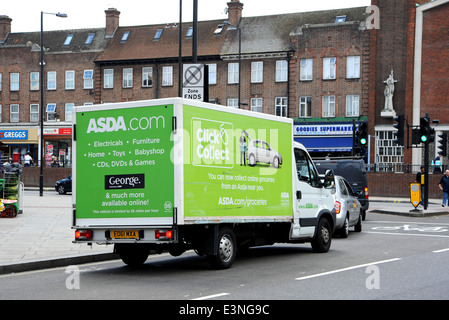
[(354, 171), (65, 185)]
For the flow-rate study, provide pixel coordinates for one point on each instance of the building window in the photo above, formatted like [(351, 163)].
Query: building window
[(212, 73), (281, 71), (1, 109), (328, 106), (70, 80), (128, 78), (69, 111), (51, 112), (15, 82), (90, 38), (389, 154), (34, 113), (158, 34), (68, 40), (305, 107), (1, 82), (88, 78), (34, 81), (281, 106), (257, 72), (189, 33), (330, 68), (109, 78), (51, 80), (257, 104), (306, 72), (353, 67), (125, 36), (352, 105), (233, 73), (233, 103), (167, 76), (14, 113), (147, 77)]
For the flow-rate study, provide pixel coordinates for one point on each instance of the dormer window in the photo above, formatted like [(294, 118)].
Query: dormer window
[(125, 36), (68, 40), (340, 19), (158, 34), (219, 29), (90, 38)]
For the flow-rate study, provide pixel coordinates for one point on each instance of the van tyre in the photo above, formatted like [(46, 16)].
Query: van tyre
[(321, 243), (134, 257), (226, 250)]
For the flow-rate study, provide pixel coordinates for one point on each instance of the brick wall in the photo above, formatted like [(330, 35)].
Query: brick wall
[(31, 176), (398, 184)]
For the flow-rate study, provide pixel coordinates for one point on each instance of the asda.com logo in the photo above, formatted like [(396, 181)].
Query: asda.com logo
[(111, 124), (212, 143)]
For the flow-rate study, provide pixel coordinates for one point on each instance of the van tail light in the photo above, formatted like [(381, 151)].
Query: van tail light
[(163, 234), (337, 207), (83, 235), (366, 193)]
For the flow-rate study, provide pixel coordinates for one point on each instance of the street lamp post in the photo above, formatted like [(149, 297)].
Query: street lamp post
[(41, 178), (231, 27)]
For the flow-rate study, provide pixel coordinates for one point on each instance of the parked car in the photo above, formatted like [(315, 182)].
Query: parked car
[(65, 185), (260, 151), (347, 207), (354, 171)]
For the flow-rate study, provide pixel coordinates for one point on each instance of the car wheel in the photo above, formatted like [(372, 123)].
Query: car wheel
[(344, 231), (61, 189), (358, 226), (276, 162), (252, 160)]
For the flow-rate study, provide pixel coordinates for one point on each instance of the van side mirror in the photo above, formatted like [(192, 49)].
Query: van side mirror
[(329, 180)]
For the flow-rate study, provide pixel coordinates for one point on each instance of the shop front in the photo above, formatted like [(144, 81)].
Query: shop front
[(16, 142), (325, 139), (58, 146)]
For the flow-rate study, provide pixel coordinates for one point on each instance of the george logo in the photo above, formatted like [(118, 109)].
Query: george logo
[(126, 181)]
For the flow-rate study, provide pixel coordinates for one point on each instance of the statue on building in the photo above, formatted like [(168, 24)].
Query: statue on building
[(389, 93)]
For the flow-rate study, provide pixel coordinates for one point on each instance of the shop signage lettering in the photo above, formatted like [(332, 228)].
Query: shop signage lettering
[(323, 129), (13, 134)]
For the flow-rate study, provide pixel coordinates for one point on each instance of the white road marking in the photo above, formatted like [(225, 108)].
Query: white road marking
[(346, 269), (442, 250), (212, 296)]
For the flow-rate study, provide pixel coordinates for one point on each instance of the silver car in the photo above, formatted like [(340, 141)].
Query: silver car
[(348, 208), (260, 151)]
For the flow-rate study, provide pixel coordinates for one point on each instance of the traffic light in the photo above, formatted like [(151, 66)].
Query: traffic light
[(416, 136), (361, 137), (427, 134), (400, 127), (443, 144)]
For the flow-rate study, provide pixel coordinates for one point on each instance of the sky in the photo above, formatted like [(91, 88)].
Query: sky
[(90, 13)]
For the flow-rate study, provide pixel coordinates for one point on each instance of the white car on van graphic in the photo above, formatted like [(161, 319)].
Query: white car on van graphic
[(260, 151)]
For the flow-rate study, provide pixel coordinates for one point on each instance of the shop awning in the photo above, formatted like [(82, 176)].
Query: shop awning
[(326, 144)]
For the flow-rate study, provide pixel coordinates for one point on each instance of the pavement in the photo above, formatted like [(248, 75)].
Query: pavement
[(41, 237)]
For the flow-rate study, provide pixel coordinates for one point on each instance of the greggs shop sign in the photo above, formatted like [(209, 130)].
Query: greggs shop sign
[(13, 134)]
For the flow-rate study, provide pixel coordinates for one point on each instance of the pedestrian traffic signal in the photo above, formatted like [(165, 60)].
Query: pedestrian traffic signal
[(427, 134), (443, 144), (400, 127)]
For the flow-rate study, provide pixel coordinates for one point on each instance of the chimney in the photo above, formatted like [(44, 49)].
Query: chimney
[(235, 8), (5, 27), (112, 21)]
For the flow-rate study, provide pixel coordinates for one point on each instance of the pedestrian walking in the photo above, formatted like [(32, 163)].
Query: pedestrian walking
[(444, 186), (27, 160)]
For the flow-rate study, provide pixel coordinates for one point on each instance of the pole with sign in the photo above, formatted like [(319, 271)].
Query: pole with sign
[(195, 83)]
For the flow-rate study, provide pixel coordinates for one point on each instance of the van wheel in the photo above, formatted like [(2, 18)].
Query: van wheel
[(321, 243), (226, 250), (133, 257)]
